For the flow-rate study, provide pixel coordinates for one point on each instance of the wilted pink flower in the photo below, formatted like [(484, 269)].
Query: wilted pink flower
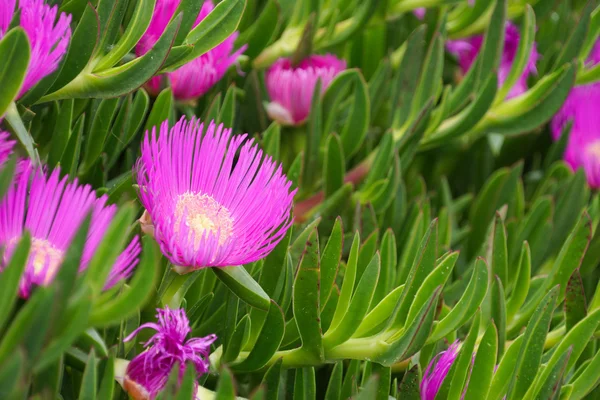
[(48, 37), (207, 204), (195, 78), (149, 371), (291, 87), (52, 209), (436, 372), (581, 107), (466, 50), (6, 146)]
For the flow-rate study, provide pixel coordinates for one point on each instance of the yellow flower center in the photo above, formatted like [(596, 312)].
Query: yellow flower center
[(594, 149), (203, 216), (45, 259)]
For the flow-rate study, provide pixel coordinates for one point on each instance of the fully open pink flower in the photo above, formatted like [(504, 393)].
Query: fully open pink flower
[(436, 372), (581, 108), (291, 87), (195, 78), (147, 373), (213, 199), (48, 36), (52, 209), (466, 50)]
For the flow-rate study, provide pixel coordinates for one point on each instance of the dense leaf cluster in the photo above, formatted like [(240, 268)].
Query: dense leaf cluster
[(429, 208)]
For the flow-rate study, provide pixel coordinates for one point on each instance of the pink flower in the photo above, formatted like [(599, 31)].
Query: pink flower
[(52, 209), (466, 50), (291, 87), (436, 372), (581, 107), (210, 199), (420, 12), (6, 146), (149, 371), (48, 36), (195, 78)]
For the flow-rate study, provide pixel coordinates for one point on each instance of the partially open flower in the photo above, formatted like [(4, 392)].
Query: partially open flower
[(581, 108), (436, 372), (148, 372), (466, 50), (213, 199), (48, 36), (291, 87), (52, 209), (195, 78)]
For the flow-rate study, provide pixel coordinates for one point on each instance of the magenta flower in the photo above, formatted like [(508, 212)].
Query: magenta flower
[(466, 50), (6, 146), (420, 11), (52, 209), (195, 78), (581, 107), (148, 372), (208, 205), (291, 87), (48, 36), (436, 372)]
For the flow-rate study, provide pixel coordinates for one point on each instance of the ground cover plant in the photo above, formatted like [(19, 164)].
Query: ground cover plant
[(299, 199)]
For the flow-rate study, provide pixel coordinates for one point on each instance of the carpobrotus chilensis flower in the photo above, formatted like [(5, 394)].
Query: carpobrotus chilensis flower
[(291, 87), (48, 36), (436, 372), (6, 146), (52, 209), (195, 78), (207, 204), (581, 107), (466, 50), (147, 373)]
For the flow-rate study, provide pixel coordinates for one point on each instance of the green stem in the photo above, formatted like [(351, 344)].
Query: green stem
[(554, 337), (178, 286), (16, 126)]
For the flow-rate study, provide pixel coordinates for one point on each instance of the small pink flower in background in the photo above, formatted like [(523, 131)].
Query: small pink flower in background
[(291, 87), (466, 50), (52, 209), (581, 107), (148, 372), (212, 199), (436, 372), (420, 12), (48, 36), (195, 78)]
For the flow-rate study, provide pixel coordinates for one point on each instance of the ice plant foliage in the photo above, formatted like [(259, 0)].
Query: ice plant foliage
[(48, 33), (291, 87), (52, 209), (436, 372), (147, 373), (207, 206), (195, 78), (466, 51), (581, 108)]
